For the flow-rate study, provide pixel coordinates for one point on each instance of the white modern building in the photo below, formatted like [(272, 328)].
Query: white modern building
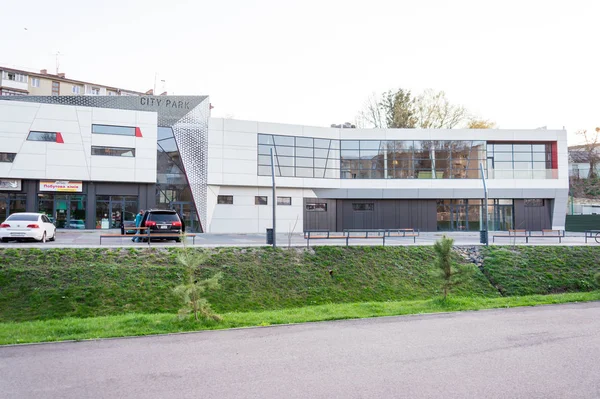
[(95, 160)]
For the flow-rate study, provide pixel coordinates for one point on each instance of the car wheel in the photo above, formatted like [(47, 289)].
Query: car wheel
[(53, 237), (43, 238)]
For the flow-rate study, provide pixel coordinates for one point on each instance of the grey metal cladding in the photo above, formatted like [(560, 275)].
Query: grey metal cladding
[(186, 115)]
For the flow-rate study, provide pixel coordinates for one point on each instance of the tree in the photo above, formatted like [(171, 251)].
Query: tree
[(476, 123), (434, 111), (191, 290), (451, 273), (591, 146), (399, 109)]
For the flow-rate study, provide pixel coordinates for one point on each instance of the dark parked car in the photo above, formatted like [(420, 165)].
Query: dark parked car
[(167, 223)]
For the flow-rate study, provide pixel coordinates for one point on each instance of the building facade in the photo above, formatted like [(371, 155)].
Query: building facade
[(17, 82), (336, 179), (93, 161)]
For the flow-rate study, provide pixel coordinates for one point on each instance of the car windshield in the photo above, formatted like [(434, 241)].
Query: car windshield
[(163, 217), (25, 218)]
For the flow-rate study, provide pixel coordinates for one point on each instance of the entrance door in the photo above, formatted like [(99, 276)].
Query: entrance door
[(187, 211), (503, 217), (459, 217)]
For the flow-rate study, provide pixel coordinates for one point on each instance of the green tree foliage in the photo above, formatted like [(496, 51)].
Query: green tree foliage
[(191, 291), (451, 273)]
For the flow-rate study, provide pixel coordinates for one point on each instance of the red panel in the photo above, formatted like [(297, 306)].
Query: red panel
[(59, 138), (554, 145), (138, 132)]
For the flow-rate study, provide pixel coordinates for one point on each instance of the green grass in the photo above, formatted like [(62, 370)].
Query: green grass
[(542, 270), (57, 283), (147, 324)]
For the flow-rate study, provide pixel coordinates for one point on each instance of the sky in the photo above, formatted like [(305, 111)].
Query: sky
[(523, 64)]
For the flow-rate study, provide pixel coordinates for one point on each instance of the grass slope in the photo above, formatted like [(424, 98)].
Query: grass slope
[(56, 283), (542, 270), (147, 324)]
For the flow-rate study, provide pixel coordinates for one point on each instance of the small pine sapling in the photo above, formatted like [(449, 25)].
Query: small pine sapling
[(191, 291), (451, 273)]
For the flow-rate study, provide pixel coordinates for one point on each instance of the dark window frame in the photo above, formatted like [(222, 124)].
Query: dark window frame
[(283, 201), (129, 134), (225, 199), (6, 157), (42, 133), (261, 200), (128, 149)]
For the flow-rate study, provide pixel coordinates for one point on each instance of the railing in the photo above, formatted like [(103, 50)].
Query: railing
[(541, 174)]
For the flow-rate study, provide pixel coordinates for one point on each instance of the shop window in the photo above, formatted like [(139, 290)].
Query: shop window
[(261, 200), (317, 207), (42, 136), (225, 199), (7, 156), (284, 200), (363, 206), (116, 130), (113, 151), (534, 202)]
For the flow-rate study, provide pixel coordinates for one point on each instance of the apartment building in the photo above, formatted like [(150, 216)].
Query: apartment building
[(15, 82)]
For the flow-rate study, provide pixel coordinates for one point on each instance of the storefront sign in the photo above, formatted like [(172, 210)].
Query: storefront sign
[(10, 184), (63, 186)]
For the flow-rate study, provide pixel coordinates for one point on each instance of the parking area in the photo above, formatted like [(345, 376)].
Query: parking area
[(91, 239)]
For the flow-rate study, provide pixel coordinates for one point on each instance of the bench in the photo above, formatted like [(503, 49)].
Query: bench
[(595, 234), (349, 234), (148, 236), (517, 233), (549, 233)]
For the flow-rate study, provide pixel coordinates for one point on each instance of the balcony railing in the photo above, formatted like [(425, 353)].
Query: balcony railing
[(541, 174)]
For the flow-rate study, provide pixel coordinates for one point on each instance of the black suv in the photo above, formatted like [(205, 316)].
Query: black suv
[(167, 223)]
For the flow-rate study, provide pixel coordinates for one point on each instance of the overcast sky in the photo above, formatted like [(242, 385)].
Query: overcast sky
[(521, 63)]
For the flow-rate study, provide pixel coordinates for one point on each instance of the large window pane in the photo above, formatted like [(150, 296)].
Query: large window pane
[(304, 172), (304, 152), (349, 145), (265, 139), (285, 161), (264, 149), (304, 142), (284, 151), (304, 162), (117, 130), (284, 140), (42, 136), (113, 151)]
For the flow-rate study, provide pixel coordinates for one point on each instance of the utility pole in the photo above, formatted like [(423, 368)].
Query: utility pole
[(485, 205), (274, 198)]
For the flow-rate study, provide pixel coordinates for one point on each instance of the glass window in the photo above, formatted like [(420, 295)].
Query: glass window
[(264, 160), (320, 163), (284, 200), (522, 156), (261, 200), (522, 147), (264, 150), (265, 171), (370, 145), (322, 143), (304, 142), (76, 89), (42, 136), (363, 206), (7, 156), (117, 130), (225, 199), (284, 140), (35, 82), (304, 172), (284, 151), (503, 148), (350, 145), (317, 207), (113, 151), (265, 139), (285, 171), (285, 161), (305, 162), (323, 153), (305, 152), (164, 133)]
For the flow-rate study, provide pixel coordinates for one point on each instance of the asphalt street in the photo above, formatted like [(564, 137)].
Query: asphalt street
[(541, 352)]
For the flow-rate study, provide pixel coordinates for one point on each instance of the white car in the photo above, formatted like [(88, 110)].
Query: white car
[(27, 226)]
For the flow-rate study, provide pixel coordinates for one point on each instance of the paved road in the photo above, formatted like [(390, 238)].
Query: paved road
[(543, 352), (91, 238)]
